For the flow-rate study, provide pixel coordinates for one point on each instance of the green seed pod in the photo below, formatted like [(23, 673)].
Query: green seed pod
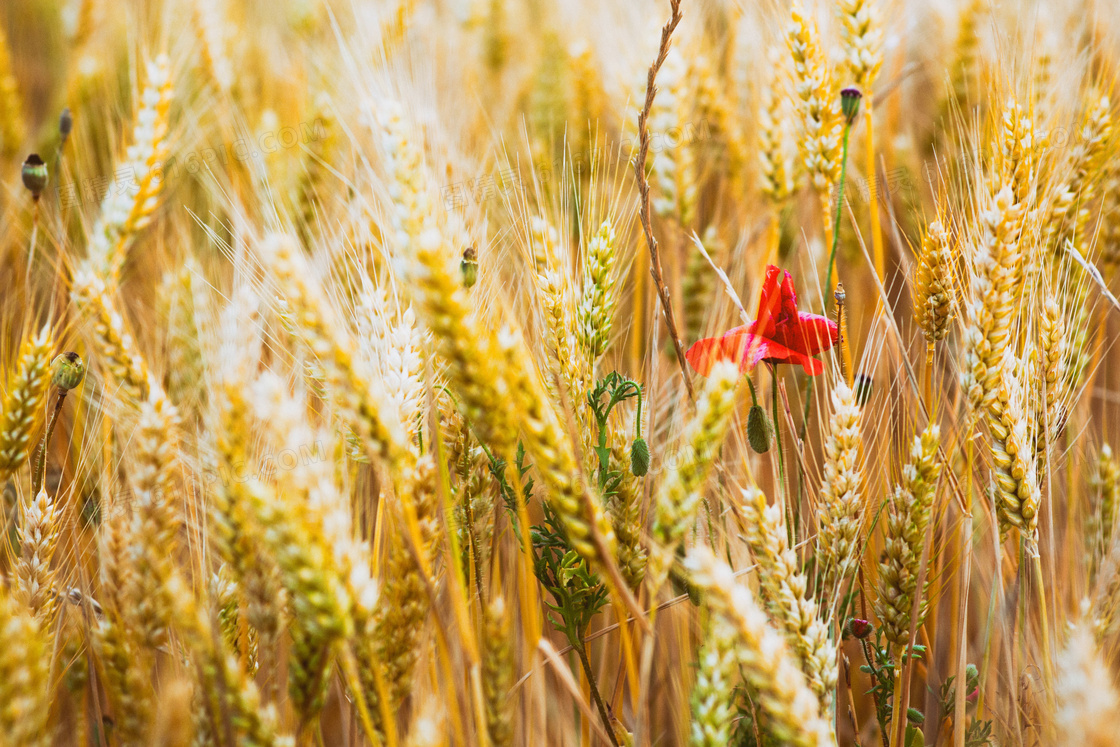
[(862, 389), (469, 267), (759, 429), (65, 124), (67, 371), (34, 175), (849, 103), (639, 457)]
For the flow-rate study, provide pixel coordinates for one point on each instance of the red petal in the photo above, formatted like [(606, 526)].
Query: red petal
[(738, 344), (817, 332), (778, 353), (789, 297), (769, 301), (781, 334)]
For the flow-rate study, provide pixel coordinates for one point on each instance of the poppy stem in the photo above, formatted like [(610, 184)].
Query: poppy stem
[(781, 458), (754, 396), (839, 207)]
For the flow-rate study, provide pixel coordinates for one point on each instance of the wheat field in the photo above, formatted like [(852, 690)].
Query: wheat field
[(514, 372)]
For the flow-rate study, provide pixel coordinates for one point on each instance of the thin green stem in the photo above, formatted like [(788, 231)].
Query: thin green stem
[(638, 416), (839, 208), (754, 395), (581, 650), (781, 457), (1047, 666), (828, 276), (41, 461)]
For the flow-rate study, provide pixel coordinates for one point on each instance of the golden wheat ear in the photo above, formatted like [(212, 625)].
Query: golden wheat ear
[(23, 403)]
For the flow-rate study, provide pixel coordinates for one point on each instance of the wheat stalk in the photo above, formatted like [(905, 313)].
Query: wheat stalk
[(788, 596), (24, 686), (791, 707), (678, 499), (906, 522), (713, 691), (821, 122), (840, 515), (124, 212), (39, 531), (23, 403)]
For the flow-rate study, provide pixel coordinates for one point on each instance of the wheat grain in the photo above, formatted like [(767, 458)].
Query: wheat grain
[(23, 403), (840, 515), (498, 673), (1088, 700), (820, 103), (595, 315), (24, 685), (713, 691), (863, 40), (935, 287), (125, 213), (679, 496), (39, 531), (788, 596), (791, 707), (112, 339), (907, 520)]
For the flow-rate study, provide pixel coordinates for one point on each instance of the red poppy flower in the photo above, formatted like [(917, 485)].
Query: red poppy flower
[(781, 334)]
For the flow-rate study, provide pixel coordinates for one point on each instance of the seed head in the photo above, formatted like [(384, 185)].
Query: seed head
[(849, 103), (858, 628), (469, 267), (639, 457), (67, 371), (34, 175), (862, 388), (65, 124), (759, 430)]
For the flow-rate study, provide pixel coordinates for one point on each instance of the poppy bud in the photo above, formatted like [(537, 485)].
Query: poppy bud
[(849, 103), (862, 389), (34, 175), (469, 267), (639, 457), (67, 371), (759, 430), (858, 628), (65, 124), (914, 716)]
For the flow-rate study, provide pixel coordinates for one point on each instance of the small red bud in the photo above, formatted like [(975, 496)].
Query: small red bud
[(859, 628)]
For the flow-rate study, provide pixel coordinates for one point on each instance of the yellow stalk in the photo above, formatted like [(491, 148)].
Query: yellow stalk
[(959, 716), (872, 190)]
